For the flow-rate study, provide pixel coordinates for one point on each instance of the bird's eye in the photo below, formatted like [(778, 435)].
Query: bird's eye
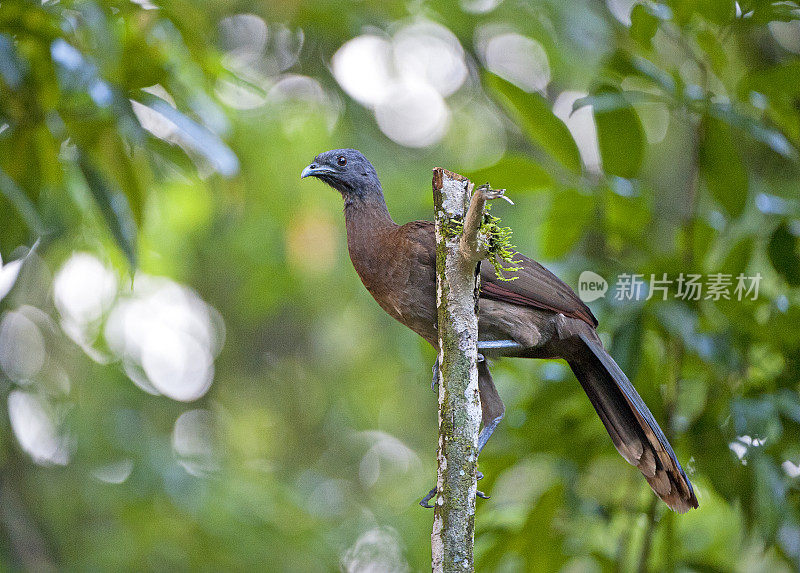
[(342, 161)]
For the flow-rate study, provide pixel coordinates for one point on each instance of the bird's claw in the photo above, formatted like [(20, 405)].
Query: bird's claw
[(424, 502), (427, 498), (479, 493)]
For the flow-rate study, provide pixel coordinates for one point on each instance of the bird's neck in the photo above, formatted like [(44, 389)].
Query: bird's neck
[(367, 213), (368, 224)]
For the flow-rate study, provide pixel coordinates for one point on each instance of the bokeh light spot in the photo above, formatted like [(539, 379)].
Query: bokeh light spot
[(582, 127), (516, 58), (414, 115), (22, 347), (193, 442), (166, 333), (363, 67), (35, 429)]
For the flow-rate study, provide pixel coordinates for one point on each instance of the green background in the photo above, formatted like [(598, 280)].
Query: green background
[(312, 446)]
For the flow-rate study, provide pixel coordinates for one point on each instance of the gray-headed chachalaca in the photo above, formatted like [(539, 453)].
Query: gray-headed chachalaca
[(534, 316)]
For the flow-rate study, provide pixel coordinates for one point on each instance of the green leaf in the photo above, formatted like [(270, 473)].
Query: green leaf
[(714, 49), (717, 11), (114, 206), (626, 217), (514, 172), (534, 115), (566, 221), (757, 130), (114, 160), (196, 136), (776, 82), (721, 166), (614, 100), (783, 254), (626, 345), (669, 83), (739, 256), (643, 25), (22, 203), (620, 137)]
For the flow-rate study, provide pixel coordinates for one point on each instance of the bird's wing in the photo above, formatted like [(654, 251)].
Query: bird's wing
[(418, 240), (534, 286)]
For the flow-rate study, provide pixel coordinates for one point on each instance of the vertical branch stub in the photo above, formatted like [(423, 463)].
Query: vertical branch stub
[(459, 402)]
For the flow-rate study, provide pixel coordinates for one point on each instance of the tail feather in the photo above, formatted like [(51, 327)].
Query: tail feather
[(632, 428)]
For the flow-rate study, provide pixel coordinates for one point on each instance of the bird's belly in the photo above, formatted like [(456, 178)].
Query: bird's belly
[(417, 313)]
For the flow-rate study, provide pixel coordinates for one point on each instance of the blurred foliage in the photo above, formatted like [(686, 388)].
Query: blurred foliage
[(147, 135)]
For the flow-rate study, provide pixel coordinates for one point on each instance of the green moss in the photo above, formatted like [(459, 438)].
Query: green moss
[(500, 248), (501, 251), (452, 227)]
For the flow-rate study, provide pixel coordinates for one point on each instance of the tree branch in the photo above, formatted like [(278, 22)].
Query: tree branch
[(471, 247), (457, 257)]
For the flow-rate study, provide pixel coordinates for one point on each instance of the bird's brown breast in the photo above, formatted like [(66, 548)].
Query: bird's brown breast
[(397, 266)]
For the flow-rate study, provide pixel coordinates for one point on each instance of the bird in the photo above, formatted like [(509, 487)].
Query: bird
[(534, 316)]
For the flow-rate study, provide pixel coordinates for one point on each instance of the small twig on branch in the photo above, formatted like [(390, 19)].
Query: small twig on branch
[(457, 256), (469, 245)]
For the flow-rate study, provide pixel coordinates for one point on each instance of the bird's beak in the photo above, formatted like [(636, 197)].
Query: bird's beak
[(314, 170)]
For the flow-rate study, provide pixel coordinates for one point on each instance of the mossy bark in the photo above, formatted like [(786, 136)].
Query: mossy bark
[(459, 402)]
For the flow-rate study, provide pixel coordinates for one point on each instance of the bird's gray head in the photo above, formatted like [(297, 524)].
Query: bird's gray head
[(347, 171)]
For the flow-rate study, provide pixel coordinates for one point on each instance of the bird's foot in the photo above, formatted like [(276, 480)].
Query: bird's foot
[(479, 493), (427, 498), (435, 370), (431, 494)]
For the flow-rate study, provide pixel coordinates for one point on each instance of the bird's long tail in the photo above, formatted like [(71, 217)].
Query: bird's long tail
[(631, 426)]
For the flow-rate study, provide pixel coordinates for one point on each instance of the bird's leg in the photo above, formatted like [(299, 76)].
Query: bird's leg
[(487, 432), (487, 346), (491, 404), (492, 407)]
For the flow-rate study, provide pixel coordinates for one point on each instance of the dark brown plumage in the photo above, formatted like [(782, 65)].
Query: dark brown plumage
[(534, 316)]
